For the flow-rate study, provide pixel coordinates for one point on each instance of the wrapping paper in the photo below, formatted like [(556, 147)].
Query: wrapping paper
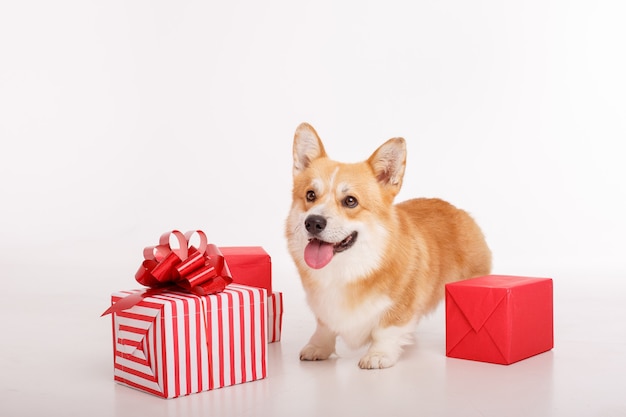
[(274, 317), (499, 319), (251, 265), (176, 343)]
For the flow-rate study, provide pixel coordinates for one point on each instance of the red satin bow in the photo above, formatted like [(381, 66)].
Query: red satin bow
[(201, 270)]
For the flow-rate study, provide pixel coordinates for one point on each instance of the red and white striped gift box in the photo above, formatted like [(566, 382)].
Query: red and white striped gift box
[(274, 316), (176, 343)]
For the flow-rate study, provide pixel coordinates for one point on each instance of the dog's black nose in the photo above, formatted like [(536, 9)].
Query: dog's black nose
[(314, 224)]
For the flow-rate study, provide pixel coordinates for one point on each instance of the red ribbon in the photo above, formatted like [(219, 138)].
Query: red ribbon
[(201, 270)]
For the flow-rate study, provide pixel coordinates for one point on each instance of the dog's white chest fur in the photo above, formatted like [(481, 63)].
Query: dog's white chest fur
[(354, 323)]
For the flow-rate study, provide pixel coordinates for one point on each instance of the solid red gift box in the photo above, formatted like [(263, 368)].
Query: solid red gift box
[(175, 343), (249, 265), (499, 319)]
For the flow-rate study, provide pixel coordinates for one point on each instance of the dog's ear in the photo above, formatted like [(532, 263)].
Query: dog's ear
[(307, 147), (388, 163)]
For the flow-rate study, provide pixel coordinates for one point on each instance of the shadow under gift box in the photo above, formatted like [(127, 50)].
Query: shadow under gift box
[(499, 319), (251, 265), (176, 343)]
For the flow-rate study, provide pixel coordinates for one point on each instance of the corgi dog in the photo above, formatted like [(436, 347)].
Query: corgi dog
[(371, 268)]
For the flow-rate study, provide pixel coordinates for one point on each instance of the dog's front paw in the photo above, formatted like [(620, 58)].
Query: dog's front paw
[(313, 352), (377, 360)]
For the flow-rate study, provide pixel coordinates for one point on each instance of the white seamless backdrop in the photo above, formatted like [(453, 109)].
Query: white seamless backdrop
[(124, 119)]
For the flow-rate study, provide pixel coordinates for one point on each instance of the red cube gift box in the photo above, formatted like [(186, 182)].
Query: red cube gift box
[(499, 319), (251, 265), (177, 343)]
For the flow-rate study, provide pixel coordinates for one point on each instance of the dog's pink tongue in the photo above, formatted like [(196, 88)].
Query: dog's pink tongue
[(318, 254)]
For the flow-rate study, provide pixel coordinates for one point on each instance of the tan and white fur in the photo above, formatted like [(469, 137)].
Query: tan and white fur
[(371, 268)]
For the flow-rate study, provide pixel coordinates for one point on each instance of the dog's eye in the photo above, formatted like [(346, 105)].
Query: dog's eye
[(310, 196), (350, 202)]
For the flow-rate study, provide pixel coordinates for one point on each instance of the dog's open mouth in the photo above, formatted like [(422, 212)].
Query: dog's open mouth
[(318, 253), (346, 243)]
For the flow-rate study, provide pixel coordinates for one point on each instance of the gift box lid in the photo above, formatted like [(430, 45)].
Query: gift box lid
[(497, 281)]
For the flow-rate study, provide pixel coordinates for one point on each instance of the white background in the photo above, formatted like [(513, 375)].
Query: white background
[(120, 120)]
